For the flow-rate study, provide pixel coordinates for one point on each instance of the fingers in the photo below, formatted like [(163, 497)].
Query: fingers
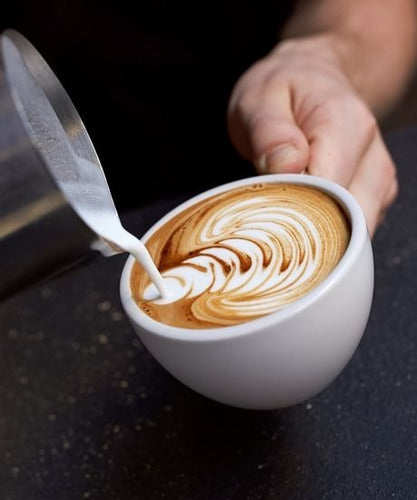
[(340, 131), (346, 147), (262, 128), (375, 184)]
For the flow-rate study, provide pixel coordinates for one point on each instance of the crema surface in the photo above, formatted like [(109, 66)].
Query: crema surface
[(242, 254)]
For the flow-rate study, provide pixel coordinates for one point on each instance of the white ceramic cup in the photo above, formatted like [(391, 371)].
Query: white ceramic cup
[(285, 357)]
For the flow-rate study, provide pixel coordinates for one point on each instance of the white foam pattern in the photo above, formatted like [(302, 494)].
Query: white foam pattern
[(246, 256)]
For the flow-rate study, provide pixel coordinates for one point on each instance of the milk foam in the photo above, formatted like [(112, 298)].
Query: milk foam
[(248, 253), (283, 225)]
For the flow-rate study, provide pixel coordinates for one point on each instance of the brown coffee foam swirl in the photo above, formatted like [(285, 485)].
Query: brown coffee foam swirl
[(243, 254)]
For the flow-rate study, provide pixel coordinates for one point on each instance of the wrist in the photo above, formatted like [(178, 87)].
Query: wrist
[(374, 41), (379, 72), (360, 60)]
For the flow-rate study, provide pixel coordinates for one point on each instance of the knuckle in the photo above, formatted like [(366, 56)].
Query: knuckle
[(389, 186), (286, 45), (325, 112), (244, 105), (390, 197), (392, 193), (388, 169), (369, 124), (396, 189), (258, 120), (365, 120), (248, 101), (344, 105), (274, 81)]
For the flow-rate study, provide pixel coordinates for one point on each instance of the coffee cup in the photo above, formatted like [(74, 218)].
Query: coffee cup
[(281, 358)]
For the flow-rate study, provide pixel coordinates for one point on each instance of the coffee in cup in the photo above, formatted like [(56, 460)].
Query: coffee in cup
[(242, 254)]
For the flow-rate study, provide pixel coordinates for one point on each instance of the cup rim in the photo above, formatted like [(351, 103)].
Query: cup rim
[(359, 233)]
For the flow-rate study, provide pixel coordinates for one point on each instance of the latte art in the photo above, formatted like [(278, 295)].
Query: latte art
[(242, 254)]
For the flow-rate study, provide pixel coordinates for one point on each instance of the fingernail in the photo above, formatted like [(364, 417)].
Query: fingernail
[(276, 160)]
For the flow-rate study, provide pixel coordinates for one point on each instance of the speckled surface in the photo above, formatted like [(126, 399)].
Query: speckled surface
[(87, 413)]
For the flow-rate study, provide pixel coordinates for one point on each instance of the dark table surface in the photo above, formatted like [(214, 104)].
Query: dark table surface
[(87, 413)]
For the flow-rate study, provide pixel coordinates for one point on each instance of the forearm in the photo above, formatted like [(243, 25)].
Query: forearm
[(375, 40)]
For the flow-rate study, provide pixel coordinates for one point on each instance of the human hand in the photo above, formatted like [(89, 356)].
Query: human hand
[(296, 110)]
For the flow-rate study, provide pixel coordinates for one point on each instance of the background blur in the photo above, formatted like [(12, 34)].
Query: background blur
[(151, 81)]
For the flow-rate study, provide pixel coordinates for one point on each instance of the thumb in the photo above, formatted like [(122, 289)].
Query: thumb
[(274, 142)]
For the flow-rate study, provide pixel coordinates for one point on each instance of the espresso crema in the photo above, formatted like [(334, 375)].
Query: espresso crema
[(242, 254)]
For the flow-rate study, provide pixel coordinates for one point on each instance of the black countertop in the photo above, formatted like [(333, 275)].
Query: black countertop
[(87, 413)]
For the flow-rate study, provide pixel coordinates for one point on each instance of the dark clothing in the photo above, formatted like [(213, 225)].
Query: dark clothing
[(151, 81)]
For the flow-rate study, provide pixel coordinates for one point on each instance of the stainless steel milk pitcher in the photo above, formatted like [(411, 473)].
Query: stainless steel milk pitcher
[(40, 132)]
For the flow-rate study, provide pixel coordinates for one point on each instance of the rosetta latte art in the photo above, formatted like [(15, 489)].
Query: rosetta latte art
[(242, 254)]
